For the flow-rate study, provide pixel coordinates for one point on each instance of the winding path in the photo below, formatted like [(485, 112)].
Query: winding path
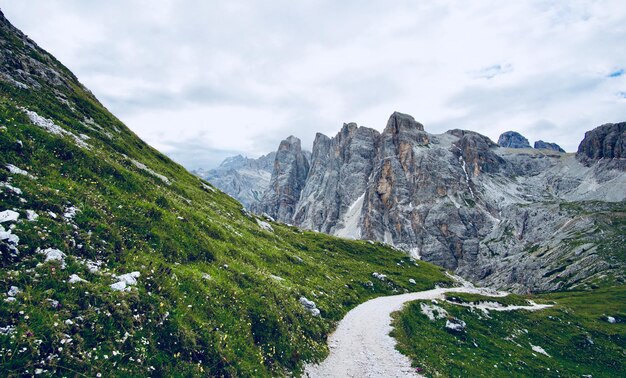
[(361, 345)]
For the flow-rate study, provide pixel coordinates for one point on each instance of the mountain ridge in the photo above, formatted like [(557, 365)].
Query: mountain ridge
[(441, 196)]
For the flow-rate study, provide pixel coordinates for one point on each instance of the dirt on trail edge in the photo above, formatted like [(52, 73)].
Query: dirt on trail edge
[(361, 345)]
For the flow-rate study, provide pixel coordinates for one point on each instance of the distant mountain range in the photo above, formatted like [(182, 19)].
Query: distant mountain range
[(505, 214)]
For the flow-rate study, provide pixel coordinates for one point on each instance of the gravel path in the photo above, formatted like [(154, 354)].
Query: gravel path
[(361, 345)]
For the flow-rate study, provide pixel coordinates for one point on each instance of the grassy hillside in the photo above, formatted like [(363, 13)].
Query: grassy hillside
[(208, 289), (574, 338)]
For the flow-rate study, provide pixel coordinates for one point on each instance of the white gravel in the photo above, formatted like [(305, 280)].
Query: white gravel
[(361, 345)]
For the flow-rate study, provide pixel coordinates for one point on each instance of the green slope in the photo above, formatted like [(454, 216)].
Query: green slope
[(575, 333), (217, 293)]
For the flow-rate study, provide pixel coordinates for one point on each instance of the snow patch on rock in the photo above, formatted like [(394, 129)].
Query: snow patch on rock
[(351, 221)]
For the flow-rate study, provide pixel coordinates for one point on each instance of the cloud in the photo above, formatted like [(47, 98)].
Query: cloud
[(200, 79), (492, 71)]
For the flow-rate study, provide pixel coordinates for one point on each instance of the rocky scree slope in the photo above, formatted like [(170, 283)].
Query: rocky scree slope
[(116, 261), (512, 217)]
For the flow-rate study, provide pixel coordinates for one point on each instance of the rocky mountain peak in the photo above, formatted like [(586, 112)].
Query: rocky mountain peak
[(291, 142), (291, 168), (540, 144), (399, 122), (604, 142), (476, 152), (349, 128), (513, 139)]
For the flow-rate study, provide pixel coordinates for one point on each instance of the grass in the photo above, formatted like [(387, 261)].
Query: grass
[(217, 294), (574, 333)]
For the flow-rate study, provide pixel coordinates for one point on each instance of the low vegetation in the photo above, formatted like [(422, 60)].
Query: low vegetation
[(583, 334)]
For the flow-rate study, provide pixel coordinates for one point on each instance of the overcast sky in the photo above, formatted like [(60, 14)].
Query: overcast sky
[(202, 80)]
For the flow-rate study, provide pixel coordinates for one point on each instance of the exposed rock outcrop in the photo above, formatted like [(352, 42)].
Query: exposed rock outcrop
[(513, 139), (604, 142), (338, 177), (291, 168), (498, 216), (540, 144)]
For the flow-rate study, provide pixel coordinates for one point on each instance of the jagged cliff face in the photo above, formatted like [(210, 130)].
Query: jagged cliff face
[(517, 218), (291, 168), (340, 170), (605, 142), (242, 178)]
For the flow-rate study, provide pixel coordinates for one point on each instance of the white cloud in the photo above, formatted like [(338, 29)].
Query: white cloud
[(238, 76)]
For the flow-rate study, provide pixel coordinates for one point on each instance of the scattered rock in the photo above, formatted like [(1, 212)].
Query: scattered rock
[(75, 279), (16, 171), (129, 278), (264, 225), (13, 291), (310, 306), (31, 215), (539, 349), (433, 312), (455, 325), (611, 319), (70, 212), (53, 254), (9, 216), (379, 276)]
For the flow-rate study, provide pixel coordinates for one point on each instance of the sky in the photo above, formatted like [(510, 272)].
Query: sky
[(203, 80)]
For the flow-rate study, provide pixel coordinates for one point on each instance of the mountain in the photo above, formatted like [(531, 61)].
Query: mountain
[(242, 178), (540, 144), (291, 167), (503, 215), (513, 139), (116, 261)]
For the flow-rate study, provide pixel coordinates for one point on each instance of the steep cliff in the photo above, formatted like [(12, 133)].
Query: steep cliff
[(510, 217), (291, 168)]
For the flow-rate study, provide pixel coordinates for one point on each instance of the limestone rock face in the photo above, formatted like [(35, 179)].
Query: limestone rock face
[(514, 218), (513, 139), (604, 142), (291, 168), (540, 144), (338, 177)]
